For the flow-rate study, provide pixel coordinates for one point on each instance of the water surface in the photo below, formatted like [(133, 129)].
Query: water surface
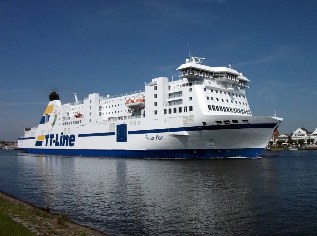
[(271, 195)]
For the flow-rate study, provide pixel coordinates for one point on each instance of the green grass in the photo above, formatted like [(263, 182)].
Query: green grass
[(8, 227), (40, 221)]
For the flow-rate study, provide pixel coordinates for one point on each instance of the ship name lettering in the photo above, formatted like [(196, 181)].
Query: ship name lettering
[(60, 140), (156, 137)]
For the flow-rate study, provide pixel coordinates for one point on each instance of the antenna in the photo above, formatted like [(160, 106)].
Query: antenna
[(76, 99), (189, 53)]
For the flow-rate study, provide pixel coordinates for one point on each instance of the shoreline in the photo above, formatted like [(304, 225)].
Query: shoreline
[(41, 221)]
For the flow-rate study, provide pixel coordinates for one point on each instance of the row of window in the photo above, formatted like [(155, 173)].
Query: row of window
[(218, 99), (112, 112), (72, 122), (227, 122), (176, 110), (228, 109), (225, 93)]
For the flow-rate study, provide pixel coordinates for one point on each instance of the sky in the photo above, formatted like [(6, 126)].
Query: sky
[(113, 47)]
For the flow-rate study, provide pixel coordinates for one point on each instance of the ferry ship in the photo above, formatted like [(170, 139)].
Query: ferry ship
[(203, 114)]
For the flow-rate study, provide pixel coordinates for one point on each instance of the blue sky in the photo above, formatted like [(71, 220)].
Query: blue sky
[(113, 47)]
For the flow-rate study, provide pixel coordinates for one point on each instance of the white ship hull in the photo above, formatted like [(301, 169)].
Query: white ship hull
[(196, 141)]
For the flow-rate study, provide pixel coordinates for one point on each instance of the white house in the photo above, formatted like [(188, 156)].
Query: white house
[(300, 134), (282, 137), (313, 135)]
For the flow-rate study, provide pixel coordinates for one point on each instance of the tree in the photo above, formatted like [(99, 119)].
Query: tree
[(301, 142), (310, 141)]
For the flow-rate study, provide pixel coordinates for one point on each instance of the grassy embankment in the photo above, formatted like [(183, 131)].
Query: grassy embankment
[(20, 218)]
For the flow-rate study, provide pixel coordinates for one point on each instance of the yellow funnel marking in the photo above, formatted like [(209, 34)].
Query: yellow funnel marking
[(40, 138), (48, 109)]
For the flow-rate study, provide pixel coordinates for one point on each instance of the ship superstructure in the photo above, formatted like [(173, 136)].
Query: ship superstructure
[(203, 114)]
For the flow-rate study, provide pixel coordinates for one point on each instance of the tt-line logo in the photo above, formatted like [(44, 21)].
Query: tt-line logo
[(56, 140)]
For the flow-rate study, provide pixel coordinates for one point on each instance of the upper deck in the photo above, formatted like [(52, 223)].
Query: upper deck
[(194, 69)]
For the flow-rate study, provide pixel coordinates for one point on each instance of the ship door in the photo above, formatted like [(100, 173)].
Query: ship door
[(122, 133)]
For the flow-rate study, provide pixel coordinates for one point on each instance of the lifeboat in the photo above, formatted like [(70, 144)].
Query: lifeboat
[(78, 115), (135, 103)]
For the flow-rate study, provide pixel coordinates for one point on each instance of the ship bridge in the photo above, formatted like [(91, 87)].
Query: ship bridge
[(193, 69)]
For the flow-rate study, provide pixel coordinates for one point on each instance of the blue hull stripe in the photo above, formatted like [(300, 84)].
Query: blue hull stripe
[(96, 134), (170, 154), (193, 128), (26, 138)]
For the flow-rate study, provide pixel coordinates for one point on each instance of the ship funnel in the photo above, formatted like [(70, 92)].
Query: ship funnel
[(53, 96)]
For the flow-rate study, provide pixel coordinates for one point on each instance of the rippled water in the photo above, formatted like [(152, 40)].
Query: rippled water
[(270, 195)]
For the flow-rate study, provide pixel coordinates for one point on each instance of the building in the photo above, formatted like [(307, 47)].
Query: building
[(313, 136), (300, 134)]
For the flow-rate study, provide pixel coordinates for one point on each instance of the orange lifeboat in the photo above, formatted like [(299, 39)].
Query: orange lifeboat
[(135, 103), (78, 115)]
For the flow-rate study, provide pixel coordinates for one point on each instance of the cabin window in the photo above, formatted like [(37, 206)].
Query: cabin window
[(190, 108), (185, 109), (180, 110), (155, 112), (190, 98), (155, 95), (218, 122), (170, 111), (155, 103), (227, 122), (174, 110), (235, 121), (155, 87), (165, 111)]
